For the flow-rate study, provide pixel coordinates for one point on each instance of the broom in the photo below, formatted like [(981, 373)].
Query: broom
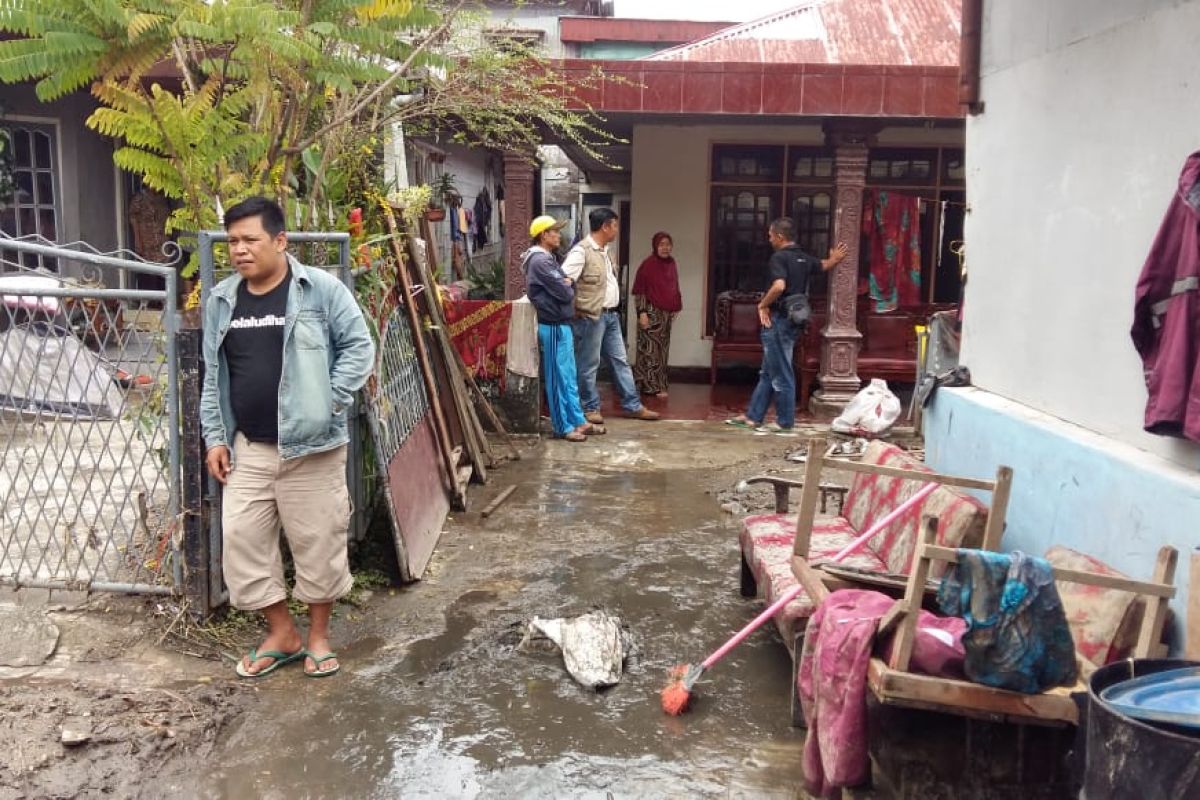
[(683, 677)]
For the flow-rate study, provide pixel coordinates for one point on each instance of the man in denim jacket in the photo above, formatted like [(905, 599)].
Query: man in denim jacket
[(285, 348)]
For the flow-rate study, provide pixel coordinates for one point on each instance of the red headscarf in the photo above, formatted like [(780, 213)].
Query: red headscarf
[(658, 279)]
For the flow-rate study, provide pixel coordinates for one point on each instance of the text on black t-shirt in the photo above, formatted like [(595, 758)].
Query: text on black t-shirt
[(254, 352)]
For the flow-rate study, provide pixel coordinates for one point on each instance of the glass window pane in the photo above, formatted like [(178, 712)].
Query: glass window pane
[(821, 201), (22, 155), (8, 222), (46, 224), (922, 169), (803, 168), (41, 149), (745, 200), (823, 168), (44, 183), (26, 221), (879, 169), (24, 181)]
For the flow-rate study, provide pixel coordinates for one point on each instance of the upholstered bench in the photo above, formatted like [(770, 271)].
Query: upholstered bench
[(883, 480)]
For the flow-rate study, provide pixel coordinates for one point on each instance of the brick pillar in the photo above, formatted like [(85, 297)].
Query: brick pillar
[(519, 175), (840, 340)]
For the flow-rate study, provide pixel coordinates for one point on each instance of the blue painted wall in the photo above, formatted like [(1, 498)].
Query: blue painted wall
[(1070, 486)]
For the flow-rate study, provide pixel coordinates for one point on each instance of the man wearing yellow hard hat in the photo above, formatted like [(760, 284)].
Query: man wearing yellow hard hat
[(553, 296)]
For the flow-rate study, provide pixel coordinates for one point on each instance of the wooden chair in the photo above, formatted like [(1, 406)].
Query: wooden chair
[(811, 487), (893, 684), (765, 544)]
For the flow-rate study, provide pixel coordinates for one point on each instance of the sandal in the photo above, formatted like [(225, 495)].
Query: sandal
[(595, 430), (319, 660), (280, 659), (573, 436), (738, 422)]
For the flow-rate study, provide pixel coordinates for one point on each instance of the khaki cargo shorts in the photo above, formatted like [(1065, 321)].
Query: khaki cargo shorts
[(308, 497)]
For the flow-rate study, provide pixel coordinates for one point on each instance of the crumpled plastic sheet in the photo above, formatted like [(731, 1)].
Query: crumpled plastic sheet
[(594, 646)]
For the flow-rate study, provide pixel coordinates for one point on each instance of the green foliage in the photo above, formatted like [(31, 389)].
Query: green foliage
[(215, 100), (489, 281)]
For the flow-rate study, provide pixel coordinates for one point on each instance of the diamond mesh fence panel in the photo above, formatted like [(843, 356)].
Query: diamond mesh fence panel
[(396, 396), (88, 425)]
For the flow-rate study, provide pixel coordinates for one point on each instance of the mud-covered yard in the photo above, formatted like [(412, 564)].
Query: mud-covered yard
[(435, 699)]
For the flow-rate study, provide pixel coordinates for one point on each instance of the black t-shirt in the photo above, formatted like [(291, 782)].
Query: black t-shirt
[(254, 352), (793, 265)]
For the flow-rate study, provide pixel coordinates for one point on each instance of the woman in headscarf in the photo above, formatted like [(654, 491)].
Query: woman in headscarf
[(656, 289)]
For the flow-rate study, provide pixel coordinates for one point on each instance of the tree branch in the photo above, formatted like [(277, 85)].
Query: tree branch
[(397, 74)]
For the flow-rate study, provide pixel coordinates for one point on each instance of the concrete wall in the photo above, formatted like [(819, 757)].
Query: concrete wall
[(89, 210), (1091, 109), (671, 192), (1070, 486)]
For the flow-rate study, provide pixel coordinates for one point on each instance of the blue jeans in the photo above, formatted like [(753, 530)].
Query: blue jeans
[(601, 338), (777, 378)]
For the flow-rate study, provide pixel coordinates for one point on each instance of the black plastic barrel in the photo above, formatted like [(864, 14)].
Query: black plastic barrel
[(1128, 759)]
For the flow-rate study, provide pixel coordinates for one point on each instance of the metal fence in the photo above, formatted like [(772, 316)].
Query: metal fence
[(89, 420)]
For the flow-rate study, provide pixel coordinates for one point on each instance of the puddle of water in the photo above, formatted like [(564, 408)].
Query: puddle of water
[(462, 713)]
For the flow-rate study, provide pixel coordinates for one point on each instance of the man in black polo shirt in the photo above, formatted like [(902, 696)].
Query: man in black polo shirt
[(788, 273)]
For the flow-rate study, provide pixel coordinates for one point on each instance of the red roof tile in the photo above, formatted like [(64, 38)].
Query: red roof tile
[(879, 32)]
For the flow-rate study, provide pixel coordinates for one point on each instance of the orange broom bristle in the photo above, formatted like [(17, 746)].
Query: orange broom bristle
[(675, 698)]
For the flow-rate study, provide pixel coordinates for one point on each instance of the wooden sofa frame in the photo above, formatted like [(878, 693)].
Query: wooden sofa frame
[(892, 684), (818, 584)]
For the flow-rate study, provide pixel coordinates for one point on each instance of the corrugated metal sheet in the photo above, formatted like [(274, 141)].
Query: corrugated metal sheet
[(880, 32)]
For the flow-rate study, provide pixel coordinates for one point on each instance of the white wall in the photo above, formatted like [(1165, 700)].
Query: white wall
[(1090, 111), (671, 193)]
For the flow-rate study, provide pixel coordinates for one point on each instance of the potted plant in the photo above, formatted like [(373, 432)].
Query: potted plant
[(413, 202), (443, 191)]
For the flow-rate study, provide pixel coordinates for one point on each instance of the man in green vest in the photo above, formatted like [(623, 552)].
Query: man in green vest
[(597, 326)]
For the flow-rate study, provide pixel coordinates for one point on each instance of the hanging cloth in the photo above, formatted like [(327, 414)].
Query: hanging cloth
[(891, 223)]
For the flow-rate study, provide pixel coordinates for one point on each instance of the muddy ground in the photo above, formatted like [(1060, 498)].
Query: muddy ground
[(434, 699)]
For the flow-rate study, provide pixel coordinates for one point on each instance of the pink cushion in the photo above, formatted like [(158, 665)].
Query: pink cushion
[(961, 518), (767, 540), (1104, 622)]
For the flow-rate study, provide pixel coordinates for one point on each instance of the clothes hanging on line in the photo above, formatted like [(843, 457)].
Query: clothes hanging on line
[(483, 217)]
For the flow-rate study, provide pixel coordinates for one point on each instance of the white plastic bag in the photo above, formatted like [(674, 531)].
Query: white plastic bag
[(871, 412)]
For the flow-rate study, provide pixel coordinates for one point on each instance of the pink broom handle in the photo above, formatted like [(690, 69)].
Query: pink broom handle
[(861, 541), (794, 592)]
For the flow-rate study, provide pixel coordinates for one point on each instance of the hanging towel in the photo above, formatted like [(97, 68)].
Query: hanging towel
[(892, 225)]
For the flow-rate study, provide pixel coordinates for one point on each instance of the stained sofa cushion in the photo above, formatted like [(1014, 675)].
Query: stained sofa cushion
[(1104, 622), (767, 540), (961, 518)]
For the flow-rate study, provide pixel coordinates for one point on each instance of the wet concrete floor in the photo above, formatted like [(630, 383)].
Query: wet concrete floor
[(434, 699)]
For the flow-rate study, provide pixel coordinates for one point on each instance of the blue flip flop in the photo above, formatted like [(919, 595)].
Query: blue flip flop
[(281, 658)]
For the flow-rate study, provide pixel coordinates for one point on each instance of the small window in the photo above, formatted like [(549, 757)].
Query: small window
[(517, 40), (747, 164), (903, 167), (34, 206)]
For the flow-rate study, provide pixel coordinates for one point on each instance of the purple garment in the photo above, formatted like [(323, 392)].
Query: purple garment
[(1166, 314), (832, 681)]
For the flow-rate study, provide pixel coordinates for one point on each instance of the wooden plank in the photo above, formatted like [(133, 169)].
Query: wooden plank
[(906, 636), (916, 475), (998, 513), (974, 700), (808, 497), (491, 507), (810, 579), (1192, 645), (1153, 589), (1149, 641)]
